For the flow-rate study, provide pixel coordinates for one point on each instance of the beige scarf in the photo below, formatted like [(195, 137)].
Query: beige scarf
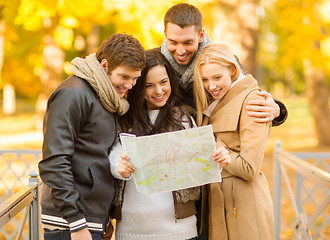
[(91, 70)]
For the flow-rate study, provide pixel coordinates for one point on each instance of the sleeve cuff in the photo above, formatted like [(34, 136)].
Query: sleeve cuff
[(76, 224), (118, 176), (114, 158), (283, 114)]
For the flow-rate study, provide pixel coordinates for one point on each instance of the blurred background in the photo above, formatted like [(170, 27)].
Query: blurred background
[(285, 44)]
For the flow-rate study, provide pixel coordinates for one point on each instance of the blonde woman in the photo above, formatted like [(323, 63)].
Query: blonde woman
[(240, 207)]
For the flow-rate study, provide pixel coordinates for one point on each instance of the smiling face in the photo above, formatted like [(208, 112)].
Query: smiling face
[(182, 43), (122, 77), (158, 87), (216, 79)]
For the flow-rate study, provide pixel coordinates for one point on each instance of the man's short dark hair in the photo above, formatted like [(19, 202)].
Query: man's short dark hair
[(122, 49), (184, 14)]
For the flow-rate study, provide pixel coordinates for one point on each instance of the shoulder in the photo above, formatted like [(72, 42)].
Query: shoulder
[(74, 86), (74, 83), (73, 91), (249, 88), (253, 95)]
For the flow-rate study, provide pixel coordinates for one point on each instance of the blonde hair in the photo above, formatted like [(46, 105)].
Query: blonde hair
[(215, 53)]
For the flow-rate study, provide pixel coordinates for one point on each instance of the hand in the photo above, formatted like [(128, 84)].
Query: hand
[(264, 110), (221, 155), (82, 234), (125, 168)]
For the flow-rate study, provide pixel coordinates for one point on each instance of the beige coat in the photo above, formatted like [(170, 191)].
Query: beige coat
[(240, 208)]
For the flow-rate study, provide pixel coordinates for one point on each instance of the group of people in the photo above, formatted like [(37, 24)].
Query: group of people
[(187, 82)]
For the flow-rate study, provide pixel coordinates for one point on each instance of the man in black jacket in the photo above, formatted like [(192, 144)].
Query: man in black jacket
[(79, 129)]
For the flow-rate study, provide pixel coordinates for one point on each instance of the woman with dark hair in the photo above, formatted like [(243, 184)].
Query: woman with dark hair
[(168, 100), (156, 106)]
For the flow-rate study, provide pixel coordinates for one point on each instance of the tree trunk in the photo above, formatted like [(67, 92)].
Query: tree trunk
[(237, 24), (52, 75), (2, 40), (226, 25), (93, 40), (249, 27), (9, 99), (53, 60), (2, 47), (318, 97)]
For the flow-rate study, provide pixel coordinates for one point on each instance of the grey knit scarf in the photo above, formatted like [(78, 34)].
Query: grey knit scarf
[(91, 70), (185, 72)]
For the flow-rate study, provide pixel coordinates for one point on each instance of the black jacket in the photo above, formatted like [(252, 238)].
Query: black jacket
[(78, 134)]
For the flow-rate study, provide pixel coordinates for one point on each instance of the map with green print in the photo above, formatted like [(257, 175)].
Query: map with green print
[(171, 161)]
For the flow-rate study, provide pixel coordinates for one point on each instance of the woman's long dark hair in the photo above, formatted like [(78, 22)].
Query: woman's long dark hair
[(137, 121)]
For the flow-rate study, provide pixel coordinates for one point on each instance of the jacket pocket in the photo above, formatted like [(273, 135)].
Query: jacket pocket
[(91, 186), (84, 182), (98, 201)]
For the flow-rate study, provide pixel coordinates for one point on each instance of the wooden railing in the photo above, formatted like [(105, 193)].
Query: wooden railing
[(27, 200), (321, 180)]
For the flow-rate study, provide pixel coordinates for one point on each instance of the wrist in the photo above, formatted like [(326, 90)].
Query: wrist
[(283, 114)]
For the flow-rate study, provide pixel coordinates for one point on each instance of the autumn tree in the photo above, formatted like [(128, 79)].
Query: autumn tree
[(2, 41), (57, 31), (296, 51), (42, 37)]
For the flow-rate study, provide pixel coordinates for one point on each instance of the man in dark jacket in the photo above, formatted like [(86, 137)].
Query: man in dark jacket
[(184, 39), (79, 129)]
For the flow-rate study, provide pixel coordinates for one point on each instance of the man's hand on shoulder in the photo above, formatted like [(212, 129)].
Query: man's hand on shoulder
[(263, 110), (82, 234)]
